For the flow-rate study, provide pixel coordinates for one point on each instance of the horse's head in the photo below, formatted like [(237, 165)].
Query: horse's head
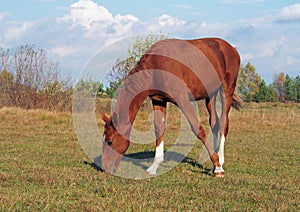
[(114, 146)]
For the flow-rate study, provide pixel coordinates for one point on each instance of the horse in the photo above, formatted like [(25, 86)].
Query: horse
[(176, 71)]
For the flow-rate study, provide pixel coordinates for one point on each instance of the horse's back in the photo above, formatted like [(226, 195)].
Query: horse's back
[(203, 64), (218, 51)]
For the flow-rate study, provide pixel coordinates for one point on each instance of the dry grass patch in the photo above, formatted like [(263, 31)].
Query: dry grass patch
[(42, 166)]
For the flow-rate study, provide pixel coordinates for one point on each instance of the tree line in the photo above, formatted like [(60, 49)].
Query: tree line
[(29, 79), (253, 88)]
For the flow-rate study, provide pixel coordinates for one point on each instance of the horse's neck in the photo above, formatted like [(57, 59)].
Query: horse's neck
[(128, 104)]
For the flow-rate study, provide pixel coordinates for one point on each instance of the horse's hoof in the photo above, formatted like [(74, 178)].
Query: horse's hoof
[(219, 174), (149, 172)]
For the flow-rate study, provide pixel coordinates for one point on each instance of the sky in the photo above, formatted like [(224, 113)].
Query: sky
[(266, 33)]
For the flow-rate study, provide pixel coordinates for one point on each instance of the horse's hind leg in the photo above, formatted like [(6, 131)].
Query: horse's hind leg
[(159, 108), (188, 110), (224, 124), (213, 119), (214, 122)]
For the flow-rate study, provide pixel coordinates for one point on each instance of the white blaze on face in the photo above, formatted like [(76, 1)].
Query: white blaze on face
[(159, 157)]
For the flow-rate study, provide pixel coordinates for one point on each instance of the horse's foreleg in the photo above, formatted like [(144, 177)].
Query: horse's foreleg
[(160, 126)]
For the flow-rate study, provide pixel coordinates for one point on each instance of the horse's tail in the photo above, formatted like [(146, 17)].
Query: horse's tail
[(236, 101)]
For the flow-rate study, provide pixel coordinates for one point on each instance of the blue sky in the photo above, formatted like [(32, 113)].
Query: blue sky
[(265, 32)]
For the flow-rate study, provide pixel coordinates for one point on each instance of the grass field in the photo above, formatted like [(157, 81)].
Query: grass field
[(43, 168)]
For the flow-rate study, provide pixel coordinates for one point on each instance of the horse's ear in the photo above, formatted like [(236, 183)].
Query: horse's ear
[(104, 117)]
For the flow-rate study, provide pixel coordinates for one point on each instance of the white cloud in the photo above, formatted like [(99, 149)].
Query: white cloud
[(97, 20), (4, 15), (167, 20), (85, 29), (86, 13), (124, 24), (17, 31), (289, 13)]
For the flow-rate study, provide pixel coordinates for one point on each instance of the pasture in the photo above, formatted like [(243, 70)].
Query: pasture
[(43, 168)]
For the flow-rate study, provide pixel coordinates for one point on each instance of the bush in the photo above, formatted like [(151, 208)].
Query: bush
[(28, 79)]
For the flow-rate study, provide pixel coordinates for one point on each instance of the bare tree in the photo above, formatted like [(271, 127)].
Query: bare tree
[(36, 80)]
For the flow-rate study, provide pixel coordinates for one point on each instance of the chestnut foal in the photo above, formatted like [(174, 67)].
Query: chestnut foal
[(176, 71)]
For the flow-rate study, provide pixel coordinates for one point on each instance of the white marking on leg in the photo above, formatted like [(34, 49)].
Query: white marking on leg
[(219, 171), (159, 157), (221, 150)]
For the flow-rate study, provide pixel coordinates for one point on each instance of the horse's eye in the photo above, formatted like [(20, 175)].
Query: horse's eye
[(109, 143)]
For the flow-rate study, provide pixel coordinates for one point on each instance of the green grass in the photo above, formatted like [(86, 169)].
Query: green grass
[(42, 167)]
